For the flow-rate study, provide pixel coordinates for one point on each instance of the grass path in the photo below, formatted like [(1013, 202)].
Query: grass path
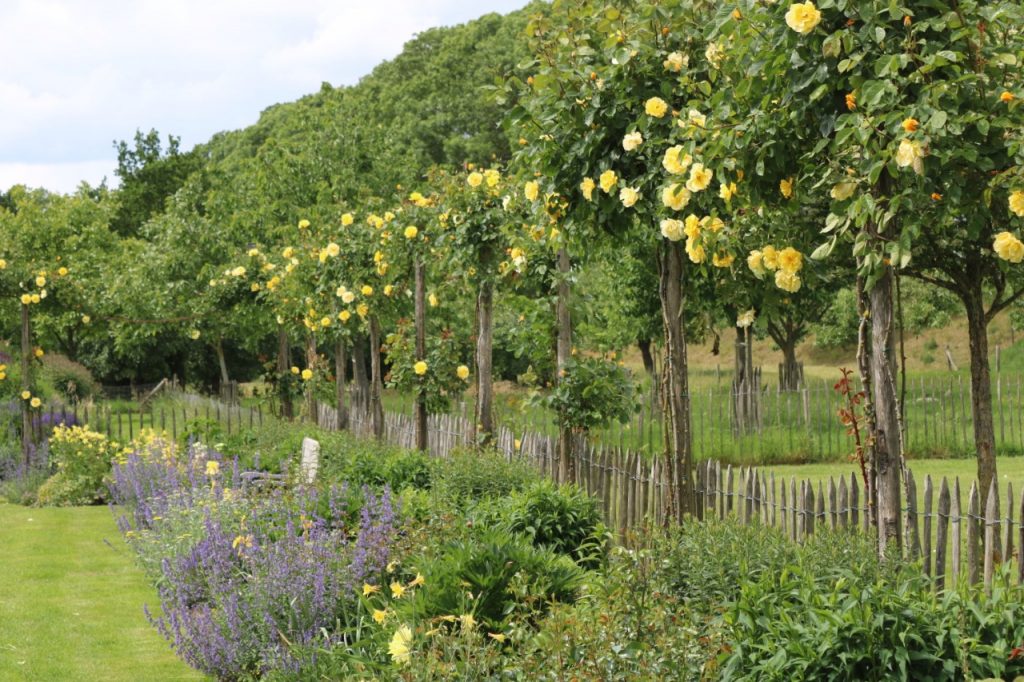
[(71, 605)]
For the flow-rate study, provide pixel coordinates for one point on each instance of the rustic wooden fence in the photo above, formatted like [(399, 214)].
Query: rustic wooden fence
[(949, 535), (186, 414)]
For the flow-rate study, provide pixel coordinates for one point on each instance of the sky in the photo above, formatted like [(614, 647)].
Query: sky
[(79, 75)]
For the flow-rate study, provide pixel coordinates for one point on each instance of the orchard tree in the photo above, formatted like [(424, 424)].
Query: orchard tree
[(887, 108)]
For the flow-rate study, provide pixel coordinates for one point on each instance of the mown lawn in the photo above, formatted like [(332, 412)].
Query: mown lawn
[(71, 605)]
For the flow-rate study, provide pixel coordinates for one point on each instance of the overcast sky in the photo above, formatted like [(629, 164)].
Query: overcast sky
[(78, 75)]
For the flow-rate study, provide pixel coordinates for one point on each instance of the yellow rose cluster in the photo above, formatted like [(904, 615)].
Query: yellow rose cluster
[(1017, 202), (786, 264), (1008, 247)]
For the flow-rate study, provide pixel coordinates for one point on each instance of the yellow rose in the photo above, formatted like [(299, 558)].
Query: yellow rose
[(587, 187), (910, 124), (910, 153), (432, 300), (420, 368), (462, 372), (325, 322), (675, 197), (303, 224), (3, 264), (62, 271), (388, 289), (675, 62), (695, 251), (656, 107), (195, 334), (344, 315), (1017, 202), (746, 318), (333, 250), (475, 179), (787, 281), (629, 196), (608, 180), (722, 260), (632, 140), (411, 232), (531, 190), (672, 229), (25, 395), (36, 403), (347, 219), (1006, 97), (238, 272), (288, 252), (40, 281), (802, 17), (1008, 247), (307, 374), (714, 224), (492, 176), (295, 370), (676, 161), (366, 290), (254, 287), (714, 54), (700, 178), (86, 319), (770, 257), (786, 187), (843, 190), (38, 297), (692, 226), (790, 260), (727, 190), (26, 299), (347, 297), (755, 261), (696, 118)]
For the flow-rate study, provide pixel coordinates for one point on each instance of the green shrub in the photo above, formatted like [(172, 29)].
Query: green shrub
[(803, 623), (67, 378), (83, 459), (376, 465), (474, 575), (562, 518), (707, 562), (592, 393), (471, 475)]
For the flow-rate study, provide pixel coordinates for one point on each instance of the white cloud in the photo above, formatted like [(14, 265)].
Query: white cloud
[(58, 177), (79, 75)]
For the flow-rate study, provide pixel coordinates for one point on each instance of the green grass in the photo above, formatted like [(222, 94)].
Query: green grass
[(1009, 469), (71, 605)]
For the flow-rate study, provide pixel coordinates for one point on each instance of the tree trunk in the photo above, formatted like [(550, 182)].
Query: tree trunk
[(222, 362), (376, 405), (341, 382), (420, 296), (887, 456), (359, 376), (26, 385), (678, 455), (981, 386), (645, 352), (484, 352), (790, 377), (567, 465), (745, 384), (284, 362), (312, 407)]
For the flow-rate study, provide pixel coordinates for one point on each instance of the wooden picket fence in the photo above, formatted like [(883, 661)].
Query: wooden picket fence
[(949, 537), (186, 414)]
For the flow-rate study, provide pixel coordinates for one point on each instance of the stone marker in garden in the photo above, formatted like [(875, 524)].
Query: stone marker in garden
[(310, 460)]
